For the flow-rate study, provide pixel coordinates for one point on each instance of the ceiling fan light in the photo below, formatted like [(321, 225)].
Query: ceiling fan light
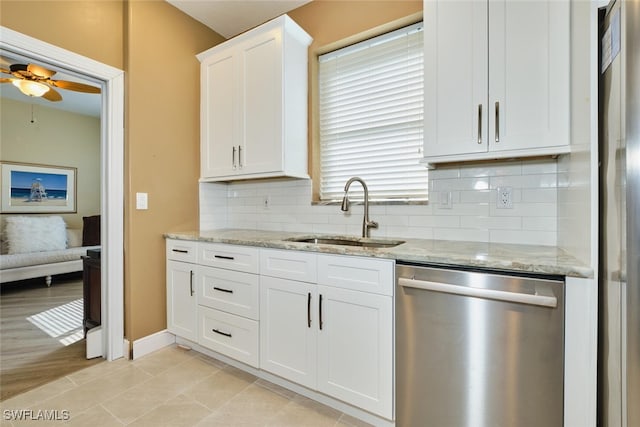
[(31, 88)]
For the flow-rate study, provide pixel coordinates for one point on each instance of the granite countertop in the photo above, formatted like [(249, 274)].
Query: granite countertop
[(497, 256)]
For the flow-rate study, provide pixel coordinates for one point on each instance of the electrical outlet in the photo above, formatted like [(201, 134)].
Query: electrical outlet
[(265, 202), (504, 198)]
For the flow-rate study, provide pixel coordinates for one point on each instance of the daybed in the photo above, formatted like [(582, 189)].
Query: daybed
[(42, 246)]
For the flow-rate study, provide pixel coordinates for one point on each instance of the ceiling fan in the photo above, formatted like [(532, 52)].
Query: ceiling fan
[(34, 80)]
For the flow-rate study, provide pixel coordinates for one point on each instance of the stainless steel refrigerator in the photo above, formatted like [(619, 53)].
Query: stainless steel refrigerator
[(619, 271)]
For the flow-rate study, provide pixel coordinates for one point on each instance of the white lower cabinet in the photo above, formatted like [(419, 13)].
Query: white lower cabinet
[(181, 299), (288, 329), (355, 349), (334, 340), (181, 296), (322, 321)]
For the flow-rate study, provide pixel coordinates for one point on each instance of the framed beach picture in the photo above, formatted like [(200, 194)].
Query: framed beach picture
[(31, 188)]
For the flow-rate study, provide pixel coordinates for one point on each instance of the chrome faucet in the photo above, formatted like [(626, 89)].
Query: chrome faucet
[(366, 224)]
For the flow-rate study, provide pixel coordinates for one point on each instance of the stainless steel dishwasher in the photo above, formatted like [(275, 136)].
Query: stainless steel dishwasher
[(478, 349)]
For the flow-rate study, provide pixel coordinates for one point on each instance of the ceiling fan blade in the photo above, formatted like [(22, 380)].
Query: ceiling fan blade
[(5, 71), (39, 71), (78, 87), (4, 80), (52, 95)]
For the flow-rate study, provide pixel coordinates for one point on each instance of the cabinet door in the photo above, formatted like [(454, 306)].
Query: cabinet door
[(528, 74), (355, 348), (455, 73), (262, 98), (220, 110), (288, 329), (181, 300)]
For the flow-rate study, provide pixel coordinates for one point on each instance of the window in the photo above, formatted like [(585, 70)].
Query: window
[(371, 117)]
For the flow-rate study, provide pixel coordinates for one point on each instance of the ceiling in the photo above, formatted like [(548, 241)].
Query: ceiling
[(76, 102), (232, 17)]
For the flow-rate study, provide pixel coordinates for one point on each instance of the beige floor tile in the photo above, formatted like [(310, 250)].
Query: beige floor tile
[(303, 412), (137, 401), (348, 420), (174, 387), (163, 359), (105, 368), (220, 387), (276, 388), (182, 376), (39, 394), (96, 416), (84, 396), (177, 412), (255, 405)]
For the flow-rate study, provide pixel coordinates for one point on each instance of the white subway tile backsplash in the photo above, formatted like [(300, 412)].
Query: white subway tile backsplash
[(472, 216), (461, 234)]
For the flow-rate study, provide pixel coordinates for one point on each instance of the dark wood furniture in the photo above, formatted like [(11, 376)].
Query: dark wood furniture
[(91, 289)]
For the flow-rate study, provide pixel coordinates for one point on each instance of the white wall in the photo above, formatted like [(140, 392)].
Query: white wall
[(473, 215), (56, 138)]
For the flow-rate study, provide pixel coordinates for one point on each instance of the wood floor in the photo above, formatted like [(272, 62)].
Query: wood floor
[(40, 333)]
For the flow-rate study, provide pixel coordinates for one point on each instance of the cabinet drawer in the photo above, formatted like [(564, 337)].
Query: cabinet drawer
[(357, 273), (232, 257), (231, 335), (230, 291), (182, 250), (300, 266)]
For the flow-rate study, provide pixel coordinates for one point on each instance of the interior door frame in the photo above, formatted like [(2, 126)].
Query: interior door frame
[(112, 173)]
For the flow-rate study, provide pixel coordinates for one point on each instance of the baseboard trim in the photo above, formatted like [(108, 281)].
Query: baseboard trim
[(151, 343)]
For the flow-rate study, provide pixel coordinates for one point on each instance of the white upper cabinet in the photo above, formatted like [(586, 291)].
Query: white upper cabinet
[(496, 79), (254, 104)]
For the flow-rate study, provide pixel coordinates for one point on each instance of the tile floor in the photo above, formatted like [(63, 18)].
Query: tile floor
[(170, 387)]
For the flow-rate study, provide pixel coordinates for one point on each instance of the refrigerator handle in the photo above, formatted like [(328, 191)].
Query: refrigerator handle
[(543, 296)]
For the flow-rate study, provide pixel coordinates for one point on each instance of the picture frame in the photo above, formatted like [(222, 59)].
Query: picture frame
[(33, 188)]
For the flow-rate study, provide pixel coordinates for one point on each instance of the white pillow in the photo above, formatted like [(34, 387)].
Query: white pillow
[(35, 233), (74, 237)]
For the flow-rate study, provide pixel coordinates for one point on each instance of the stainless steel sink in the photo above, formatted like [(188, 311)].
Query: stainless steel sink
[(347, 241)]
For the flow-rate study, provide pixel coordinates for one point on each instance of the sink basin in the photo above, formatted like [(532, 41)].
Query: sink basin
[(347, 241)]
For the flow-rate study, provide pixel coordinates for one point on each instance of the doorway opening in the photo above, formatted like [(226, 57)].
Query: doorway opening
[(111, 81)]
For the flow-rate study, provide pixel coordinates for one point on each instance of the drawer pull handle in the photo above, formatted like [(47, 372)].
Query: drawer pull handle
[(229, 291), (224, 257), (479, 123), (233, 156), (221, 333), (309, 310), (497, 121), (320, 312), (191, 283), (180, 251)]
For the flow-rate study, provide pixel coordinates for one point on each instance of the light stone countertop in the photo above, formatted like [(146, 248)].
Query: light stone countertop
[(496, 256)]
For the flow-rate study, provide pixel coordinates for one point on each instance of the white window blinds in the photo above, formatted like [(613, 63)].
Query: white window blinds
[(371, 117)]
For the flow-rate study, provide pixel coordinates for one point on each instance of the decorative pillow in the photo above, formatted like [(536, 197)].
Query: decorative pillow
[(35, 233), (74, 237), (91, 230)]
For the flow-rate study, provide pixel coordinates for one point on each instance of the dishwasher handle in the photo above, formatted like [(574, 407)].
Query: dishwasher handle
[(542, 297)]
